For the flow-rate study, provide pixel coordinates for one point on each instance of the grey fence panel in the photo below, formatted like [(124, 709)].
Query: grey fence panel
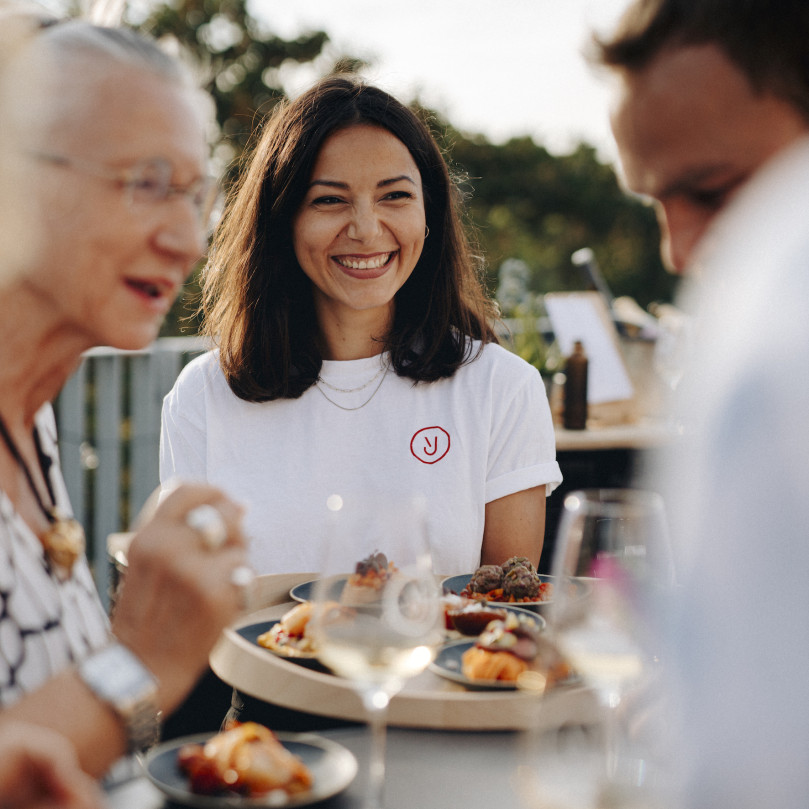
[(109, 435), (72, 426), (144, 435), (106, 517)]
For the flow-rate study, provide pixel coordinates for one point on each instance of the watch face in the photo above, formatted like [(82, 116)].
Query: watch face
[(122, 675), (118, 675)]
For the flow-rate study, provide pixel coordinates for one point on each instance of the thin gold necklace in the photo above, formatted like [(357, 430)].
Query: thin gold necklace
[(358, 407), (382, 369), (64, 540)]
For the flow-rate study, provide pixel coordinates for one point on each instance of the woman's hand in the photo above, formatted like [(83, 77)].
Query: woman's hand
[(178, 593), (39, 769)]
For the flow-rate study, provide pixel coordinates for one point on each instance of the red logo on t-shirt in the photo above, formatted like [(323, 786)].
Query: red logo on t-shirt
[(430, 444)]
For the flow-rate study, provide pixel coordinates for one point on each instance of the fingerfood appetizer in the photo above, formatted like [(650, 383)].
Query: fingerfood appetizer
[(485, 579), (293, 635), (470, 617), (367, 583), (289, 637), (507, 649), (517, 561), (514, 582), (246, 760)]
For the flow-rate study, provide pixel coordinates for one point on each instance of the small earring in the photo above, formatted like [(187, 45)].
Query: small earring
[(426, 231)]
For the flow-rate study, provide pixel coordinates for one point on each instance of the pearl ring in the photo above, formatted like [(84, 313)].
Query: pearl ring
[(208, 522), (242, 577)]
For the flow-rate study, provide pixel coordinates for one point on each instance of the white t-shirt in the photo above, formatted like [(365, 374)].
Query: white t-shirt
[(46, 624), (461, 442)]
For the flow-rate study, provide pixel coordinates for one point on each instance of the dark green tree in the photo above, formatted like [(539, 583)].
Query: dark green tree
[(540, 208), (239, 56)]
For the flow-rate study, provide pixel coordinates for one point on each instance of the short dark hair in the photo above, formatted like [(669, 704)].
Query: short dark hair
[(257, 302), (767, 41)]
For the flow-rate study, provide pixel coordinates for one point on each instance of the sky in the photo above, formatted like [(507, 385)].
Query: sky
[(503, 68)]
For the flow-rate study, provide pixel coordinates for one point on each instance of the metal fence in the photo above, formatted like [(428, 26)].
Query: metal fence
[(109, 433)]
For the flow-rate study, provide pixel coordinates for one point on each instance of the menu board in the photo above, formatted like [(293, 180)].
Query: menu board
[(584, 316)]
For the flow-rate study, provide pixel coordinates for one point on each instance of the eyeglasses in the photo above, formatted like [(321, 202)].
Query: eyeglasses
[(146, 182)]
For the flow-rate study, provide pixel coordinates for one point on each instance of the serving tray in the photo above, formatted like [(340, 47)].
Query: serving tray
[(426, 701)]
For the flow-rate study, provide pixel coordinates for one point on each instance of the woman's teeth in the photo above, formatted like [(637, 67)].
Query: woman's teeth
[(364, 263)]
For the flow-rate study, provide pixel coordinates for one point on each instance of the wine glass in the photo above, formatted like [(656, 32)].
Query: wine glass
[(672, 353), (612, 568), (383, 624), (672, 346), (566, 771)]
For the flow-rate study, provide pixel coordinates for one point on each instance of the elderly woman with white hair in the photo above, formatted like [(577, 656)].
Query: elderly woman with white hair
[(105, 151)]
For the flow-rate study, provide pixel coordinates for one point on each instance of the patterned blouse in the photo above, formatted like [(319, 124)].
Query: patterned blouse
[(46, 624)]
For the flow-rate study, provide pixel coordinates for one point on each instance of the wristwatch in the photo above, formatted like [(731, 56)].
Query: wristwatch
[(117, 677)]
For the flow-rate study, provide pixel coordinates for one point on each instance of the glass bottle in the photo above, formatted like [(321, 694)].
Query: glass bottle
[(575, 406)]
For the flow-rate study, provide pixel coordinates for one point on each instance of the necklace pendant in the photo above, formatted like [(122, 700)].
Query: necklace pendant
[(63, 542)]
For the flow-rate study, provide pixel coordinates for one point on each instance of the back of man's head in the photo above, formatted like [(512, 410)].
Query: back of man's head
[(766, 40)]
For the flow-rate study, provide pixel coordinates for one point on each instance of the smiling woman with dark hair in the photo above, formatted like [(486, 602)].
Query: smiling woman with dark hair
[(255, 292), (356, 351)]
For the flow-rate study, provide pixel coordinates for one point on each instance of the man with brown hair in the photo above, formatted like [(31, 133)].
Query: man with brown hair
[(711, 122), (709, 90)]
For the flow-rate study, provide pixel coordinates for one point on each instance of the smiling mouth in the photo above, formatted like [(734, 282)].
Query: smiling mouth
[(148, 289), (374, 263)]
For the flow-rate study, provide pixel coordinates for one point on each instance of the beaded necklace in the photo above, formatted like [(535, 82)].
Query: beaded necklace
[(63, 541)]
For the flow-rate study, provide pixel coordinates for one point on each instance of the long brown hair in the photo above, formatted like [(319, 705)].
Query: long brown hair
[(257, 302)]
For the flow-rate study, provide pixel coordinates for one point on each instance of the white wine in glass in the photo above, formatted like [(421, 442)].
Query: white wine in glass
[(612, 567), (381, 622)]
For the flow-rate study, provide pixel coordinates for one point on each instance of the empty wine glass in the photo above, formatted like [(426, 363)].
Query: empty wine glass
[(672, 353), (381, 622), (673, 345), (564, 769), (612, 567)]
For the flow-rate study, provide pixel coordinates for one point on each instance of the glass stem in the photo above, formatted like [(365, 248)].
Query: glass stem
[(375, 701), (529, 784), (611, 735)]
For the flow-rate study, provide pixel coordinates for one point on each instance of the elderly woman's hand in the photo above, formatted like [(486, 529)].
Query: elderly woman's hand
[(39, 768), (179, 589)]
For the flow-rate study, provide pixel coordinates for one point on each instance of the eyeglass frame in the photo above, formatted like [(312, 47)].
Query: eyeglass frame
[(202, 192)]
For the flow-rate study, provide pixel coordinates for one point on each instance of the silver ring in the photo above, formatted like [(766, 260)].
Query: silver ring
[(208, 522), (242, 577)]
